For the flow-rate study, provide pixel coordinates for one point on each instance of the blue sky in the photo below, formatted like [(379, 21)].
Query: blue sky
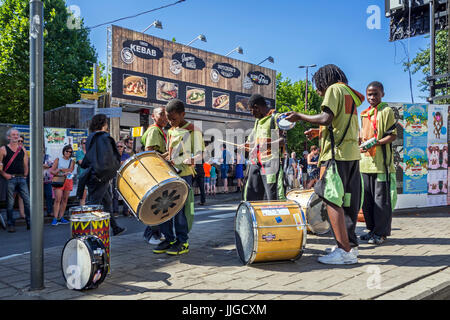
[(294, 32)]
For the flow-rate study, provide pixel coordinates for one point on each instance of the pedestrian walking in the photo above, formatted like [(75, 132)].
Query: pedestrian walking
[(102, 160)]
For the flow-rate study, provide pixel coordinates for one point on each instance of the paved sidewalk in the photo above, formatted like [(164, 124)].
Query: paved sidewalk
[(412, 264)]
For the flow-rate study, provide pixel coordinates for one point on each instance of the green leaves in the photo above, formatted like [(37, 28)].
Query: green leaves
[(68, 57), (293, 95)]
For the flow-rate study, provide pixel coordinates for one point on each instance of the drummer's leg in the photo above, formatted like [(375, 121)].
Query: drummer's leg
[(180, 220)]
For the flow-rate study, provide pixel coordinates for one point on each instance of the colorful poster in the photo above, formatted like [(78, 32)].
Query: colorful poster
[(415, 159), (437, 115), (448, 183)]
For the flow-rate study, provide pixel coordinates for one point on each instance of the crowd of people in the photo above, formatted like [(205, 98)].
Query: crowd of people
[(345, 169)]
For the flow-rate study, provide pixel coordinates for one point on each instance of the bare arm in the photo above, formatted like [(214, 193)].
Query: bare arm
[(25, 162), (324, 119)]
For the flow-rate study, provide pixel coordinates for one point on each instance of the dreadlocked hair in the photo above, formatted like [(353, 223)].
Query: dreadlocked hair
[(327, 76)]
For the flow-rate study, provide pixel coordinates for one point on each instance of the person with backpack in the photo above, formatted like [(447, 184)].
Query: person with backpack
[(102, 160), (339, 184)]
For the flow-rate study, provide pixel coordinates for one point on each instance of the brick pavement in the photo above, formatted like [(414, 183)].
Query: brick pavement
[(412, 264)]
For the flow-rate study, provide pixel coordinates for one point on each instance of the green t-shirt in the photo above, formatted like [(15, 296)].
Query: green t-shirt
[(79, 155), (262, 135), (372, 161), (339, 98), (154, 137), (184, 143)]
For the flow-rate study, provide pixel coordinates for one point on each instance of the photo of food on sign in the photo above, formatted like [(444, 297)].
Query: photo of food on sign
[(242, 104), (134, 86), (195, 96), (220, 101), (166, 91)]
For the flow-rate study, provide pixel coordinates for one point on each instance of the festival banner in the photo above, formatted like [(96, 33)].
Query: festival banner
[(415, 160)]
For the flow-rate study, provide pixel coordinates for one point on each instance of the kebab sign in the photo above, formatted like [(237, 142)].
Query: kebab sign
[(149, 70)]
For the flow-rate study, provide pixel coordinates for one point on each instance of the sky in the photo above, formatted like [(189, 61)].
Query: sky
[(293, 32)]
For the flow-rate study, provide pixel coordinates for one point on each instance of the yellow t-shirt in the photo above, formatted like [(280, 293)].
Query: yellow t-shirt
[(372, 160), (184, 143), (339, 98), (154, 137)]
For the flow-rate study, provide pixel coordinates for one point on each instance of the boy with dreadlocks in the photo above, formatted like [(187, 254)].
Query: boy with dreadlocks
[(377, 165), (338, 137)]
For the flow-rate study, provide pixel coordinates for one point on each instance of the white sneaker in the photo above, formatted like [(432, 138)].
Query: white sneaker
[(154, 240), (339, 256), (353, 250)]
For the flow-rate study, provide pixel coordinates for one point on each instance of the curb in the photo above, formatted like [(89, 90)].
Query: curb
[(435, 286)]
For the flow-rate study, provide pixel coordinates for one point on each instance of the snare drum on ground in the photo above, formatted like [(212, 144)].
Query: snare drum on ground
[(84, 263)]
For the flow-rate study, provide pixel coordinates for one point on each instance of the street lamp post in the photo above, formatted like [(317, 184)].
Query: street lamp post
[(269, 58), (238, 49), (306, 92), (37, 141), (199, 37), (156, 24)]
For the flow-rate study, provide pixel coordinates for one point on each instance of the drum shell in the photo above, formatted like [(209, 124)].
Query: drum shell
[(317, 221), (279, 231), (88, 224), (142, 178)]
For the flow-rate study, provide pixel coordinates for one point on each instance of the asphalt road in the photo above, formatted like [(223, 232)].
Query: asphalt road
[(20, 242)]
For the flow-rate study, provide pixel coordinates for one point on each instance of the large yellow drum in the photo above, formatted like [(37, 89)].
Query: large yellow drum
[(269, 231), (314, 208), (151, 188)]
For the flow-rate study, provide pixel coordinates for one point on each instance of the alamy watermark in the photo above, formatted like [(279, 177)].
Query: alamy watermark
[(373, 22), (74, 19)]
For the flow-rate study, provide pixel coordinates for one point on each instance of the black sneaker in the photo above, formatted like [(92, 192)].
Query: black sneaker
[(366, 236), (377, 240), (163, 246), (178, 248), (118, 231)]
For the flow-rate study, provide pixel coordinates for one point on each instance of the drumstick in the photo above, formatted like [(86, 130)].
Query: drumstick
[(233, 144)]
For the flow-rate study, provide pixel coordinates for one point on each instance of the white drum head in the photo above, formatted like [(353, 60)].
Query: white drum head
[(244, 234), (76, 264), (284, 124)]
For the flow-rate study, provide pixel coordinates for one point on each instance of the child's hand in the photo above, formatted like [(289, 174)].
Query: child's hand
[(312, 133)]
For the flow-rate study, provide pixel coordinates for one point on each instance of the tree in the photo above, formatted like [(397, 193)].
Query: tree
[(68, 57), (293, 95), (422, 63), (88, 81)]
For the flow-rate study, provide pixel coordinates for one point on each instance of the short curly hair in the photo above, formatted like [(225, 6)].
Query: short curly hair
[(97, 122)]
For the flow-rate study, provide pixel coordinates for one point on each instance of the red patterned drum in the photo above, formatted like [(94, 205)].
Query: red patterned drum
[(95, 224)]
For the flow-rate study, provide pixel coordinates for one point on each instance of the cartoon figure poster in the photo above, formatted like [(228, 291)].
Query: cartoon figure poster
[(437, 123)]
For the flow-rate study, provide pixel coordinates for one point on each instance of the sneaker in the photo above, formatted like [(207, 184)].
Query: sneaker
[(377, 240), (178, 248), (55, 222), (339, 256), (366, 236), (118, 231), (63, 221), (353, 250), (154, 239), (163, 246), (11, 229)]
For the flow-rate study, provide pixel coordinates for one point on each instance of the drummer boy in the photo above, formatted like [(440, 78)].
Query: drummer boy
[(185, 147), (337, 117), (377, 165)]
